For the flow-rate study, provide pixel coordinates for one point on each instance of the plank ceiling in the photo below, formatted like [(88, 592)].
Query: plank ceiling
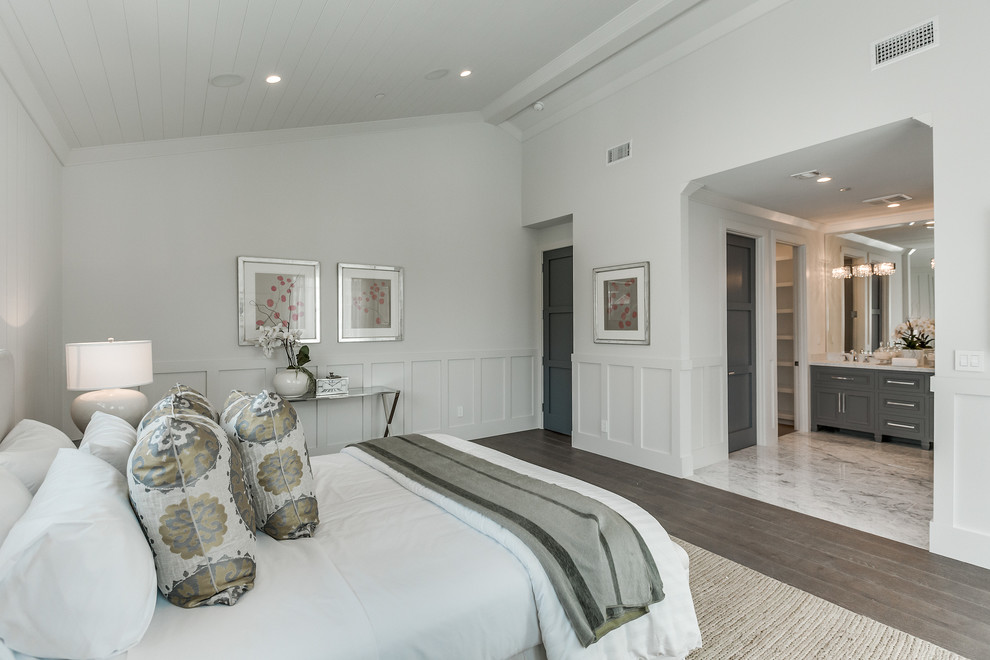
[(117, 71)]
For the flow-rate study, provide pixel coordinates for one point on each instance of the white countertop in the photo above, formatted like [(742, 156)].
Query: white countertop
[(869, 365)]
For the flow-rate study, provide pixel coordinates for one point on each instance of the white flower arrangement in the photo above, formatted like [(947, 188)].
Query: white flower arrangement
[(915, 334)]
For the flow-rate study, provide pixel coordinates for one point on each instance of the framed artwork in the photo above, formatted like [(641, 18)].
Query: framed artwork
[(369, 303), (278, 291), (622, 304)]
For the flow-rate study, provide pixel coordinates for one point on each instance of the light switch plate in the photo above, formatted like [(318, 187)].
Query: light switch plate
[(970, 361)]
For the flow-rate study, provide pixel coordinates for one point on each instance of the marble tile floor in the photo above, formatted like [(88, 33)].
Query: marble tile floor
[(884, 489)]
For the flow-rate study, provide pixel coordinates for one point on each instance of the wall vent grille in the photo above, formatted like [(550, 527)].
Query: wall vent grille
[(909, 42), (618, 153)]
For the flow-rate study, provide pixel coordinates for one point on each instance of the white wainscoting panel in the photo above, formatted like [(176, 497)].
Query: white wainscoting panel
[(425, 397), (461, 392), (522, 386), (709, 434), (658, 428), (655, 409), (493, 392), (960, 527), (487, 384), (622, 403), (587, 416)]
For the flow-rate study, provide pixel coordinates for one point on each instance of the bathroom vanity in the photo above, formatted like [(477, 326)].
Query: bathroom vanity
[(873, 398)]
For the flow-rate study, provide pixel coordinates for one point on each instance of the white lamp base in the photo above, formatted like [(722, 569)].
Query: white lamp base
[(130, 405)]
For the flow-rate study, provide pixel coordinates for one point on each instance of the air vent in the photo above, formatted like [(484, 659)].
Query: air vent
[(618, 153), (810, 174), (915, 40), (889, 199)]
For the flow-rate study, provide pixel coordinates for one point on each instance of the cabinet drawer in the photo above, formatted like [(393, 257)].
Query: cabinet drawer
[(907, 382), (902, 427), (852, 378), (907, 405)]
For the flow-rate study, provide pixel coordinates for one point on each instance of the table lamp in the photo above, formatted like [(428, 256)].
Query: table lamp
[(107, 367)]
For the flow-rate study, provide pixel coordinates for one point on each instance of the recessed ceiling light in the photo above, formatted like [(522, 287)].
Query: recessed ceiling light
[(379, 96), (226, 80), (436, 74), (810, 174), (272, 79), (893, 205), (465, 73), (824, 179), (844, 189)]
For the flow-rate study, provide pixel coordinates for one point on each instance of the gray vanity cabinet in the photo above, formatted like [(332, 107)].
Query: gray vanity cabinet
[(882, 402), (844, 398)]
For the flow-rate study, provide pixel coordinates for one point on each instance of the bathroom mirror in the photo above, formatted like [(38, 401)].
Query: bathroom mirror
[(862, 312)]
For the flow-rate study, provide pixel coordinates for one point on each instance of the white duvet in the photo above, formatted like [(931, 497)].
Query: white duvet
[(390, 575)]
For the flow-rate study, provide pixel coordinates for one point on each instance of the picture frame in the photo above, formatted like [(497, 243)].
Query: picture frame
[(271, 289), (622, 304), (369, 303)]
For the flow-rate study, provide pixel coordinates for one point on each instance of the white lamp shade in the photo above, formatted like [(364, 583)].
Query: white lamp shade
[(108, 364)]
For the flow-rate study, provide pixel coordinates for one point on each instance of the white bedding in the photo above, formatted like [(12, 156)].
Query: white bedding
[(390, 575)]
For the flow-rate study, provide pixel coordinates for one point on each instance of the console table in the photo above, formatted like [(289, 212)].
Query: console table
[(358, 392)]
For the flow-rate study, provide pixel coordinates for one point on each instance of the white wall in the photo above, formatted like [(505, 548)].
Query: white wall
[(798, 76), (151, 246), (30, 262)]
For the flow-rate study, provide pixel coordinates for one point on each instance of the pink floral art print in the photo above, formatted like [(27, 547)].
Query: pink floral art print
[(371, 301), (621, 306), (279, 300)]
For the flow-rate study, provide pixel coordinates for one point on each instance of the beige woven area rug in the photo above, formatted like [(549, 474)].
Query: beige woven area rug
[(745, 614)]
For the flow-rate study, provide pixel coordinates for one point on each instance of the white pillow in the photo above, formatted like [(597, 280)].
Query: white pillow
[(29, 449), (110, 438), (76, 573), (14, 501)]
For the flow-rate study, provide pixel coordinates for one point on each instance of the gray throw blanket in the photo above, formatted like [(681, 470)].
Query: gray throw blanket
[(598, 564)]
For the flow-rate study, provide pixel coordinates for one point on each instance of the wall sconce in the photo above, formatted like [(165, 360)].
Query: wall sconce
[(884, 268), (862, 270)]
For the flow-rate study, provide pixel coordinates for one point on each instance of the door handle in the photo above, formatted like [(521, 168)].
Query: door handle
[(732, 373), (842, 402), (902, 426), (841, 378), (900, 382), (901, 403)]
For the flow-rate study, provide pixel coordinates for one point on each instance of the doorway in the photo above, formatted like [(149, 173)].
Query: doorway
[(740, 316), (558, 338)]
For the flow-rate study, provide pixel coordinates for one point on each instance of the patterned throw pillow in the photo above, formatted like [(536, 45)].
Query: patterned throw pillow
[(236, 401), (187, 487), (180, 399), (277, 463)]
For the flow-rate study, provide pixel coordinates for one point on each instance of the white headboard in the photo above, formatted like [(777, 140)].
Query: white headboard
[(6, 392)]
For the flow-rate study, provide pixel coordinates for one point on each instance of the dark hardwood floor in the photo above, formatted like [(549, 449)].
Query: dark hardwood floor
[(937, 599)]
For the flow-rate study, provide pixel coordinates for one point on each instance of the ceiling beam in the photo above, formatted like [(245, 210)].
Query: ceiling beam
[(631, 25)]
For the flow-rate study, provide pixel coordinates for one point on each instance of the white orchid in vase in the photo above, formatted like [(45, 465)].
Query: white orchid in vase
[(276, 331)]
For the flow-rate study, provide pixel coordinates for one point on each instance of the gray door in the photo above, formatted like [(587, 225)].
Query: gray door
[(558, 338), (740, 298)]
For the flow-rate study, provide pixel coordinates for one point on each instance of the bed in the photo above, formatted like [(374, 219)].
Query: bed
[(389, 574)]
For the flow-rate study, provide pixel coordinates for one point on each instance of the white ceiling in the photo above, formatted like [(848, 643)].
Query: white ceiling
[(896, 158), (119, 71)]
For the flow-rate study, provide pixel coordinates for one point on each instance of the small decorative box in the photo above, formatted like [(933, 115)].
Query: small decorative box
[(332, 386)]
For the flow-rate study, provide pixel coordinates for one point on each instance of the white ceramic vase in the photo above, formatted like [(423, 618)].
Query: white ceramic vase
[(291, 382)]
